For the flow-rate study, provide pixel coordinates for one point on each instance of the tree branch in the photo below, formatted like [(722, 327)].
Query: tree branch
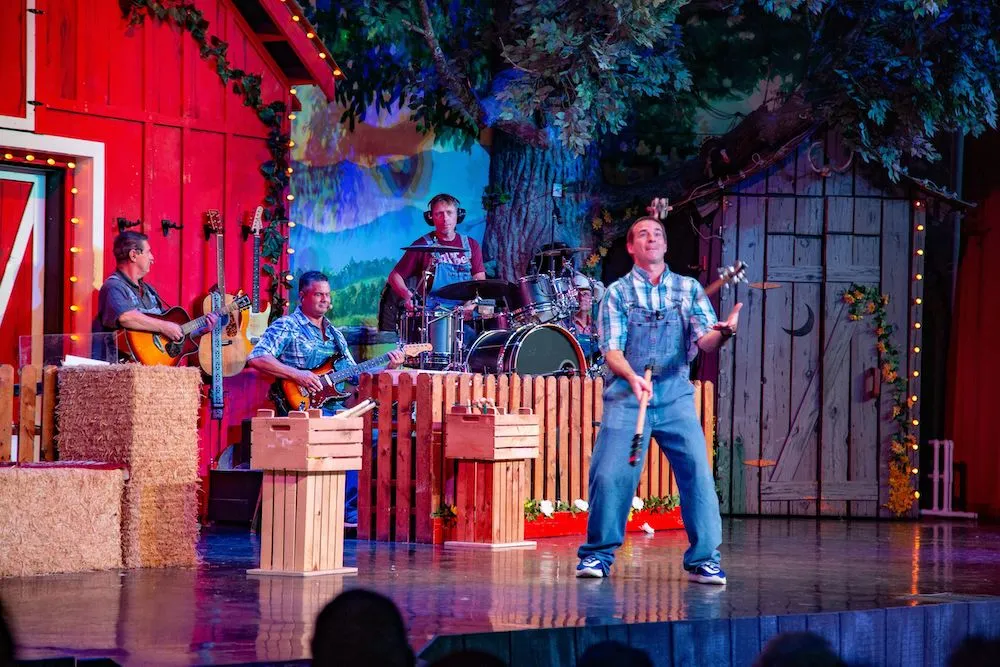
[(722, 161)]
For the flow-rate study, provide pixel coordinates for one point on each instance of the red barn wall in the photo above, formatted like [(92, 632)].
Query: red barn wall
[(177, 142)]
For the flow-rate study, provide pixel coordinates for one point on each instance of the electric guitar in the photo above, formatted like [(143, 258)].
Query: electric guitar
[(231, 338), (155, 349), (258, 318), (334, 381)]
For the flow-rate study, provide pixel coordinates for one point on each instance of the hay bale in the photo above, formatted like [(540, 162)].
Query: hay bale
[(144, 417), (58, 518)]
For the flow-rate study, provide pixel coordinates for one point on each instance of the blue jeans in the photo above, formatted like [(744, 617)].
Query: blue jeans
[(672, 420), (351, 478)]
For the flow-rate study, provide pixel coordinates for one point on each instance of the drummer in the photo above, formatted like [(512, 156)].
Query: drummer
[(442, 268)]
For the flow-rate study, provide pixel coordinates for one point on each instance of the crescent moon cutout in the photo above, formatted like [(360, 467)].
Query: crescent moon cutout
[(805, 328)]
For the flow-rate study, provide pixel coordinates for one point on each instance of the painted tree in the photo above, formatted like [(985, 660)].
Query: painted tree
[(550, 83)]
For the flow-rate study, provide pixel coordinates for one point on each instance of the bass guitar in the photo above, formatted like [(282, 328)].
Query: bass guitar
[(258, 318), (155, 349), (335, 381)]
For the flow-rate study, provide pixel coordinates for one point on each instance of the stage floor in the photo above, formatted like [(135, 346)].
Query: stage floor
[(216, 614)]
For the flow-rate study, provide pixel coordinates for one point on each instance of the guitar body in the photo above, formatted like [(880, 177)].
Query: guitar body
[(153, 349), (256, 324), (299, 400), (234, 341)]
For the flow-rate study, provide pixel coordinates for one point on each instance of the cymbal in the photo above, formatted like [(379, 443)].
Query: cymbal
[(555, 252), (471, 289), (432, 248)]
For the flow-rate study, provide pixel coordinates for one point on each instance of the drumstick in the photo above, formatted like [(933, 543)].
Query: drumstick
[(633, 455), (358, 409)]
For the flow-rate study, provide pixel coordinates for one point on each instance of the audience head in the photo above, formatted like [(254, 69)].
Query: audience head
[(975, 652), (6, 640), (795, 649), (361, 627), (614, 654)]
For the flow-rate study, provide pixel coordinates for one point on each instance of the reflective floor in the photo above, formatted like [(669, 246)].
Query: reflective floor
[(216, 614)]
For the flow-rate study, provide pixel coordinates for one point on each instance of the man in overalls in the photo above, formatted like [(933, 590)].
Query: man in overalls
[(443, 268), (654, 317)]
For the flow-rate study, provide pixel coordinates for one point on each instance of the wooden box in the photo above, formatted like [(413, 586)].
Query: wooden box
[(470, 434), (304, 457), (305, 441)]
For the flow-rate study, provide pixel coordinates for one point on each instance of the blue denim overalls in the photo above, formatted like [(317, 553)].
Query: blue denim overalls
[(449, 268), (659, 338)]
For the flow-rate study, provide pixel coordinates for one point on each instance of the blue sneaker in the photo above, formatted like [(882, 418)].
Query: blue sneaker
[(591, 568), (708, 573)]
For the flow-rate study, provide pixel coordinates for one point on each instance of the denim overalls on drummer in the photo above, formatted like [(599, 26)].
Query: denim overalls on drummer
[(659, 338), (450, 268)]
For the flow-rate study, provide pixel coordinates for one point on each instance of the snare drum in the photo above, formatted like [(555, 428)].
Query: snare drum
[(529, 350), (438, 328)]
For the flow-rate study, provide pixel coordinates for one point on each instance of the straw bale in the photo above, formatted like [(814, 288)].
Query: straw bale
[(59, 519), (160, 526), (145, 417)]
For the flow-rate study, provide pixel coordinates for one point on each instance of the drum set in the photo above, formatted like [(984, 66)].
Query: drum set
[(529, 327)]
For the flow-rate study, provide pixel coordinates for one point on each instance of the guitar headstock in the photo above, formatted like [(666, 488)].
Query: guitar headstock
[(734, 274), (213, 221), (241, 302), (414, 349), (256, 227), (659, 208)]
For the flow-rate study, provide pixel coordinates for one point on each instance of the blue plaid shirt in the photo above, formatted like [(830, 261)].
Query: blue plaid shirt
[(297, 342), (636, 290)]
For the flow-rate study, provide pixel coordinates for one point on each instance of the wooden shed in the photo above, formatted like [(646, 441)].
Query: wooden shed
[(805, 422)]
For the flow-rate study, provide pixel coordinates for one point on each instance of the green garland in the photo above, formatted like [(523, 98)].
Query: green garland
[(866, 301), (275, 171)]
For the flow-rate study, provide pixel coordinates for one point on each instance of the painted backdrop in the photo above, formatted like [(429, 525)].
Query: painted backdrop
[(360, 196)]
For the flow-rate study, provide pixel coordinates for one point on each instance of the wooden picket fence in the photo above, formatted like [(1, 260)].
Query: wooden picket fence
[(21, 414), (406, 480)]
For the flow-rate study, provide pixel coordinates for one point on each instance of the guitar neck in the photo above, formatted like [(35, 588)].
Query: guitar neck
[(199, 322), (255, 290), (371, 364), (220, 263)]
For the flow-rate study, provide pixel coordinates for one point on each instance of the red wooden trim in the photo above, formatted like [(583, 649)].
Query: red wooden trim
[(306, 49)]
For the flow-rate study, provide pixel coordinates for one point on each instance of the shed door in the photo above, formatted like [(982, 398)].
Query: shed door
[(22, 218)]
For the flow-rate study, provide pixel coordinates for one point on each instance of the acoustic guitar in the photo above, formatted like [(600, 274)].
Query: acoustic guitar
[(257, 318), (335, 381), (232, 332), (155, 349)]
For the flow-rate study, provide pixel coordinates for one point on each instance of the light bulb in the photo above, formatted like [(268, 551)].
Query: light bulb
[(74, 308), (74, 337), (29, 157), (74, 190), (915, 471), (918, 301), (71, 165), (916, 422), (916, 374), (289, 277), (920, 251), (291, 224), (75, 221), (291, 251), (73, 279), (289, 197), (919, 276), (916, 325), (916, 494), (920, 228), (296, 18), (322, 55), (293, 91), (8, 156), (291, 116), (337, 72), (913, 398), (309, 35), (75, 249), (50, 162)]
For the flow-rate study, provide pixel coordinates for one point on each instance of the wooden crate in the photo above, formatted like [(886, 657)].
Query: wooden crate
[(493, 435), (304, 457), (492, 448)]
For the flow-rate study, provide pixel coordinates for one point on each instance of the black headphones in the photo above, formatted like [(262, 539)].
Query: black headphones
[(448, 199)]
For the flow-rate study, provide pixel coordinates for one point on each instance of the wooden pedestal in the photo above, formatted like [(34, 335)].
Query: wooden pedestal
[(492, 450), (304, 457)]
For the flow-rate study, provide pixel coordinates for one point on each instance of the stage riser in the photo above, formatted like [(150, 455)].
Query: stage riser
[(921, 636)]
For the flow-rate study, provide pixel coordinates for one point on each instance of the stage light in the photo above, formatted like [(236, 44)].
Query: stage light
[(74, 337), (337, 72), (73, 279), (309, 35), (916, 349), (916, 494), (916, 422), (920, 228), (71, 165), (918, 203), (920, 251), (913, 398), (291, 224), (29, 157), (74, 308), (322, 55), (916, 374), (75, 221), (50, 162), (915, 471), (291, 251), (289, 277), (919, 276), (289, 197), (291, 116), (8, 156), (916, 325), (915, 447), (293, 91), (289, 171), (75, 249), (296, 18), (74, 190), (291, 144), (918, 301)]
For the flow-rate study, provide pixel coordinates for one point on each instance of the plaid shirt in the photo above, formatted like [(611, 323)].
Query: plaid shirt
[(297, 342), (635, 290)]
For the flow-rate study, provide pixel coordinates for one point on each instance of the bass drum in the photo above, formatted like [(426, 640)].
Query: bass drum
[(530, 350)]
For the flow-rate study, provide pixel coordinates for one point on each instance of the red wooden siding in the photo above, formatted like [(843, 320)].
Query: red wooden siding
[(13, 58), (15, 315)]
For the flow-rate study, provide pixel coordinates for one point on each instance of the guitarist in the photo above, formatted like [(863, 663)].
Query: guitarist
[(126, 300), (294, 344)]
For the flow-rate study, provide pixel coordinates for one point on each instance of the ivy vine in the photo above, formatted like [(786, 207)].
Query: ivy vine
[(187, 16)]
